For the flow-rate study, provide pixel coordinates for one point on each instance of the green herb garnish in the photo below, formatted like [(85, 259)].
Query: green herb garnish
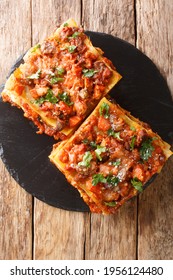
[(110, 203), (86, 159), (55, 80), (92, 144), (89, 72), (75, 34), (146, 149), (111, 132), (50, 97), (65, 24), (98, 178), (99, 151), (137, 184), (132, 143), (35, 48), (112, 180), (35, 75), (66, 98), (60, 71), (132, 128), (71, 49), (115, 163), (104, 110)]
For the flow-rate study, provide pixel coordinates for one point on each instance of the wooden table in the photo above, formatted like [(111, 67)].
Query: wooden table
[(143, 228)]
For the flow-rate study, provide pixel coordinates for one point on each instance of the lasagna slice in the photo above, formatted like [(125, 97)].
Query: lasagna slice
[(61, 81), (110, 157)]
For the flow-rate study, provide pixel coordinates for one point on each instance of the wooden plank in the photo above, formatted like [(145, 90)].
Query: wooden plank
[(16, 204), (58, 234), (112, 17), (112, 237), (154, 37)]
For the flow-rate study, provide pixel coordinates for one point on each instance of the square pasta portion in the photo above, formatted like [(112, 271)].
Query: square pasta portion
[(61, 81), (110, 157)]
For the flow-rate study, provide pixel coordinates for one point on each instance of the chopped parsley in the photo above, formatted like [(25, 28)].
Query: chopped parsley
[(72, 48), (35, 75), (137, 184), (146, 149), (89, 72), (55, 80), (110, 180), (75, 34), (99, 151), (132, 128), (92, 144), (115, 163), (85, 141), (60, 71), (132, 143), (50, 97), (104, 110), (86, 159), (65, 24), (110, 203), (66, 98), (35, 48), (98, 178), (111, 132)]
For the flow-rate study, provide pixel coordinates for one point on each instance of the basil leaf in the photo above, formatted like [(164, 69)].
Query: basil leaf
[(98, 178), (71, 49), (104, 110), (146, 149), (111, 132), (132, 143), (35, 75), (66, 98), (50, 97), (99, 151), (35, 48), (137, 184), (86, 159), (55, 80), (89, 72), (65, 24), (110, 203)]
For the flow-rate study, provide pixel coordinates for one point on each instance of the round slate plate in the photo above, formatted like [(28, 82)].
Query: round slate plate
[(142, 91)]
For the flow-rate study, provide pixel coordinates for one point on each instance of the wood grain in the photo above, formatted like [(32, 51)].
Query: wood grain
[(58, 234), (16, 204), (154, 37), (112, 17), (111, 237)]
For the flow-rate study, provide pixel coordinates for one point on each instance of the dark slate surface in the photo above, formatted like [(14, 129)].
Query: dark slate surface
[(142, 91)]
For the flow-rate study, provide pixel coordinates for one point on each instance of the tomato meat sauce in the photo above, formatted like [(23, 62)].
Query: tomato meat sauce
[(64, 77), (112, 158)]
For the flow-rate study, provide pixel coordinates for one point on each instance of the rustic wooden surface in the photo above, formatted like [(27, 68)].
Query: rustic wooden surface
[(143, 228)]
